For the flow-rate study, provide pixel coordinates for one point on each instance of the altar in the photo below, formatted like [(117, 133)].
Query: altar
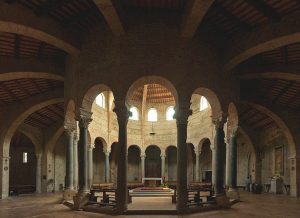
[(152, 181)]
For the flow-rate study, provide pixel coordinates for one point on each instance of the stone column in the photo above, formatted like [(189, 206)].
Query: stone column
[(107, 167), (220, 153), (39, 173), (121, 194), (232, 166), (143, 156), (163, 161), (197, 153), (90, 165), (227, 162), (75, 163), (182, 114), (4, 177), (69, 157), (84, 118)]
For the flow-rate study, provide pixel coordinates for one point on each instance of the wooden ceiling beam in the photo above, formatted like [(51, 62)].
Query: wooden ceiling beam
[(283, 91), (23, 89), (44, 116), (54, 112), (265, 9), (37, 121), (41, 50), (12, 95), (194, 13), (11, 1), (50, 5), (109, 11), (242, 25), (17, 46)]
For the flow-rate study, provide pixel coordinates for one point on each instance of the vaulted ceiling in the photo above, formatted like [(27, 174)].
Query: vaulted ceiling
[(224, 20)]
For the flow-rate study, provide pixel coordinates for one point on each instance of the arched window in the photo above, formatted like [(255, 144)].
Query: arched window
[(100, 100), (135, 113), (203, 103), (152, 115), (170, 113)]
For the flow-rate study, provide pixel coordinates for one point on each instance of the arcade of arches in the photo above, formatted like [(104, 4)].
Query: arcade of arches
[(108, 101)]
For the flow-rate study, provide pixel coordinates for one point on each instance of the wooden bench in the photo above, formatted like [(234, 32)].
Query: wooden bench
[(103, 197), (22, 189), (196, 197)]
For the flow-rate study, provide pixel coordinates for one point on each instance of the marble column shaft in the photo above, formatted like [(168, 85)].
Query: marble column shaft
[(90, 165), (163, 162), (122, 190), (107, 167), (197, 153), (69, 158), (39, 173), (82, 152), (143, 165), (182, 121), (75, 163), (220, 154), (232, 162)]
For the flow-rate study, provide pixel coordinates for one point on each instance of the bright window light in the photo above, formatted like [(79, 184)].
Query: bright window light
[(170, 113), (203, 103), (100, 100), (135, 113), (25, 157), (152, 115)]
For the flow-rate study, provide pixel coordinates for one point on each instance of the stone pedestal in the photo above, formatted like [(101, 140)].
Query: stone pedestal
[(276, 186), (223, 201), (80, 199), (69, 194), (233, 194)]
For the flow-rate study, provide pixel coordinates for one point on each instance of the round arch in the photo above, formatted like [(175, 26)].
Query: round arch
[(152, 79), (279, 122), (90, 94), (135, 146), (35, 141), (201, 143), (233, 118), (20, 119), (102, 140), (70, 111), (213, 100)]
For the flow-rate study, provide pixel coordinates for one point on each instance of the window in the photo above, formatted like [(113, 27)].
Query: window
[(170, 113), (203, 103), (100, 100), (135, 113), (25, 157), (152, 115)]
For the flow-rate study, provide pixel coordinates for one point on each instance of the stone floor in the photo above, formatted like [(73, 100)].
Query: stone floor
[(265, 205)]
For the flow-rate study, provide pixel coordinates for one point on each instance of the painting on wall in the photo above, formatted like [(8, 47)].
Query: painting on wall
[(279, 160)]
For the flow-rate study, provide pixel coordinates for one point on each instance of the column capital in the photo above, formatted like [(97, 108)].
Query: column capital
[(182, 113), (69, 127), (107, 153), (197, 152), (91, 146), (84, 117), (122, 111), (220, 121), (143, 155), (163, 156), (233, 133)]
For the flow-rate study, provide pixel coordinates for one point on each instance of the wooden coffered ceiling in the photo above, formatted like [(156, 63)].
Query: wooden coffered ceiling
[(46, 116), (77, 16), (155, 94), (20, 89), (18, 46), (231, 17), (255, 119)]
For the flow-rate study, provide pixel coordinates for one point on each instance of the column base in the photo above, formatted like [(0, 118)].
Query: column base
[(233, 194), (223, 201), (68, 194), (80, 199)]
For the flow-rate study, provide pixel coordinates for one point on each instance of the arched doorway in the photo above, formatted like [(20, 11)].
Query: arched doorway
[(22, 165), (98, 161), (134, 167), (205, 162), (171, 161), (191, 160), (153, 162)]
